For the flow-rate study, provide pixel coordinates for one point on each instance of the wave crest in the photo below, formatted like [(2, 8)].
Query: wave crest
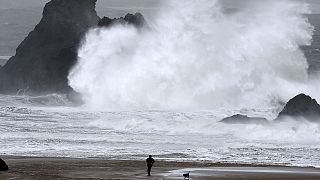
[(197, 56)]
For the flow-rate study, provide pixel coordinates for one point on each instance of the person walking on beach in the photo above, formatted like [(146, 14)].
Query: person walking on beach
[(150, 162)]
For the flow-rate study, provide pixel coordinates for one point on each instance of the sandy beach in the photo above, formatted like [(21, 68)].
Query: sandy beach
[(68, 168)]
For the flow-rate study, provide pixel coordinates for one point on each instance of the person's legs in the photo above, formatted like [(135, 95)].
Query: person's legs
[(149, 170)]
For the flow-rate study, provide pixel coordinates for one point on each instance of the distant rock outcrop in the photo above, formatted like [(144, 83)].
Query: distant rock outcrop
[(43, 60), (3, 165), (136, 19), (242, 119), (301, 106)]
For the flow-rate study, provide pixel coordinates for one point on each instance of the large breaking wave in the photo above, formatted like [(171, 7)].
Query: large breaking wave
[(198, 55)]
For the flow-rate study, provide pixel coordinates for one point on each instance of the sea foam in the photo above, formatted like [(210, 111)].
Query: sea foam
[(197, 55)]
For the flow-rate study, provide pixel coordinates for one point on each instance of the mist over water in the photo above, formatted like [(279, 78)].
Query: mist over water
[(197, 55)]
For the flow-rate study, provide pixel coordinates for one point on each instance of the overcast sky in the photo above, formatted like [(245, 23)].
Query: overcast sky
[(135, 4), (18, 17)]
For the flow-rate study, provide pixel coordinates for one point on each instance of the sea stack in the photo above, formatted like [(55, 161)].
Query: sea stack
[(301, 106), (43, 60)]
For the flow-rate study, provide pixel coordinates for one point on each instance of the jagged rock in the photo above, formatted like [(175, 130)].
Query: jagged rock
[(242, 119), (301, 106), (3, 165), (43, 60), (136, 19)]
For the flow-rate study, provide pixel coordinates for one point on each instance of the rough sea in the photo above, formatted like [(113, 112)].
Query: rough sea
[(48, 126), (51, 126)]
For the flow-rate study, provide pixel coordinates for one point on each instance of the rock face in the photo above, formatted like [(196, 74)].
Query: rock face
[(43, 60), (3, 166), (242, 119), (136, 19), (301, 106)]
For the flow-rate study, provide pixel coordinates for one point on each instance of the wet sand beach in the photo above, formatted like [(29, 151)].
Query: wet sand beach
[(68, 168)]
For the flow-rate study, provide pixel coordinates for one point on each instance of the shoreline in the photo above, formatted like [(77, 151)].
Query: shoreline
[(26, 167), (204, 163)]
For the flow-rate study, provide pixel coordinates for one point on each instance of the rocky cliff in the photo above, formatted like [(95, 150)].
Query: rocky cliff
[(43, 59)]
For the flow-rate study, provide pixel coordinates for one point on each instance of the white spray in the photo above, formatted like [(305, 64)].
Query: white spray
[(197, 55)]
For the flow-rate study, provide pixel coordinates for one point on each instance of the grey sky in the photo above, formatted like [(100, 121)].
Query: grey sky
[(18, 17), (128, 4)]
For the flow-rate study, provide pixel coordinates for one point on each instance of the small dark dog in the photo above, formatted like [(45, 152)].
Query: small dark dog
[(187, 175)]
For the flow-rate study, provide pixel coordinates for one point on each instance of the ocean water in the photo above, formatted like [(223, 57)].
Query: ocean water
[(145, 113), (48, 126)]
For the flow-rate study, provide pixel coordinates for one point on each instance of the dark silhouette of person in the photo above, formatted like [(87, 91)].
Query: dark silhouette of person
[(150, 162)]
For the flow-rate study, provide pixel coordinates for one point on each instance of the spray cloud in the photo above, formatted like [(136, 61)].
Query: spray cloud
[(197, 55)]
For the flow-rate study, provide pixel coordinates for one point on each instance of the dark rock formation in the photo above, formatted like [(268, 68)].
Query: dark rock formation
[(301, 106), (43, 60), (3, 165), (242, 119), (136, 19)]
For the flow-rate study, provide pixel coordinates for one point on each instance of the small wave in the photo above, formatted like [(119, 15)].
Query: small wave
[(206, 123), (49, 100), (15, 110), (45, 100)]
